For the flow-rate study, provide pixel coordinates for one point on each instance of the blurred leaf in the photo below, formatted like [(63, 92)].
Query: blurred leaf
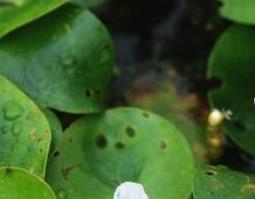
[(24, 131), (28, 10), (88, 3), (17, 183), (241, 11), (67, 66), (161, 93), (222, 183), (233, 62), (11, 2), (124, 144)]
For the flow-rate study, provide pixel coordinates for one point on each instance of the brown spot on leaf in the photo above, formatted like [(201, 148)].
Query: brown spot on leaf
[(146, 115), (211, 173), (249, 186), (89, 92), (56, 153), (32, 134), (40, 150), (130, 131), (216, 184), (163, 145), (119, 145), (70, 140), (101, 141), (8, 171), (66, 171)]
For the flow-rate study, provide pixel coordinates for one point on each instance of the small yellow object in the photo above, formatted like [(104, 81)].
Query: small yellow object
[(216, 117)]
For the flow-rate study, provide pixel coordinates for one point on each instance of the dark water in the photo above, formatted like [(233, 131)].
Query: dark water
[(181, 32)]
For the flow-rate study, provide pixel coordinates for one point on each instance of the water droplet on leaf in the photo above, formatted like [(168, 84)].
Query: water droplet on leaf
[(62, 194), (16, 128), (12, 110), (4, 129)]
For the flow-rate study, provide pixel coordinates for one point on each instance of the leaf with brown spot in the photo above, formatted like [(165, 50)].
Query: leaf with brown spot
[(107, 155), (21, 130), (222, 183)]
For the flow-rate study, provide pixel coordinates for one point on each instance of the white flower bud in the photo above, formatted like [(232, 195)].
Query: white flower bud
[(215, 118), (130, 190)]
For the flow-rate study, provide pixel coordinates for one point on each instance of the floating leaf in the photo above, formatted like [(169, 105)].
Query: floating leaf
[(99, 152), (24, 131), (67, 66), (17, 183), (238, 10), (222, 183), (233, 62), (12, 17)]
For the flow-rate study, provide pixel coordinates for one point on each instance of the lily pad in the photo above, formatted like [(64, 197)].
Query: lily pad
[(233, 62), (12, 17), (99, 152), (238, 10), (24, 131), (67, 66), (17, 183), (222, 183)]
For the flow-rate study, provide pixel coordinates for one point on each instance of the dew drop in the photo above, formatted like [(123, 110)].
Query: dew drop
[(32, 169), (61, 194), (12, 110), (4, 129), (16, 128)]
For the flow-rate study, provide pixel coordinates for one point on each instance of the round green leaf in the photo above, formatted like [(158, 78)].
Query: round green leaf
[(238, 10), (24, 131), (99, 152), (67, 66), (222, 183), (16, 183), (233, 62), (26, 11)]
